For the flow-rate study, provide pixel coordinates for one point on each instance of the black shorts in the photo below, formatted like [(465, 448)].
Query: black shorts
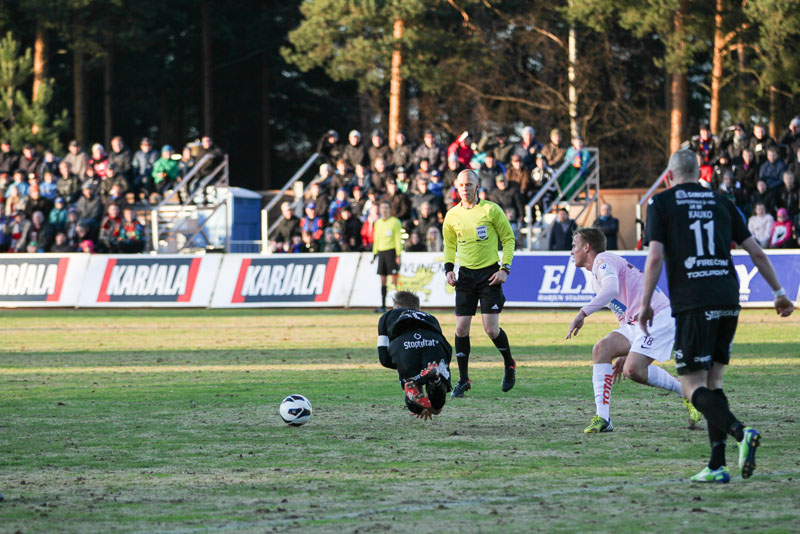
[(704, 337), (472, 286), (412, 351), (387, 262)]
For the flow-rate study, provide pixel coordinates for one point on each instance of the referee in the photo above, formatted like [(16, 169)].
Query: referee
[(691, 229), (472, 229), (386, 248)]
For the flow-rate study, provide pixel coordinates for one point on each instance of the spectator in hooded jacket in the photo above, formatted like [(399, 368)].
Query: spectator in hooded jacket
[(330, 148)]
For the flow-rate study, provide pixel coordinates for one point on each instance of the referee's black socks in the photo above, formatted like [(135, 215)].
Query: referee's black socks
[(383, 296), (501, 342), (714, 406), (462, 357)]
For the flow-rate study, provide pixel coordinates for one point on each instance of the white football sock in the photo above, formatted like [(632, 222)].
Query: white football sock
[(602, 381), (660, 378)]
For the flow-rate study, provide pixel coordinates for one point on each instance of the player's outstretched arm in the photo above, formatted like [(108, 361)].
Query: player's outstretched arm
[(609, 287), (576, 325), (652, 270), (783, 305)]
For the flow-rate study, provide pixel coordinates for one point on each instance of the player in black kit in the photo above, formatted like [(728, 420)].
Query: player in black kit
[(692, 228), (411, 341)]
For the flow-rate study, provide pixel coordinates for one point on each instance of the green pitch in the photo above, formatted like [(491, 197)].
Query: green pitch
[(167, 421)]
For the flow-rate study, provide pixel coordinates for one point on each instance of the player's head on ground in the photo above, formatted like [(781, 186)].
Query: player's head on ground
[(406, 300), (682, 168), (467, 185), (587, 243), (384, 210)]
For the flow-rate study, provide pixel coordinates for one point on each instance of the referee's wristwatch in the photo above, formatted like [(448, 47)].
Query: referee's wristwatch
[(506, 268)]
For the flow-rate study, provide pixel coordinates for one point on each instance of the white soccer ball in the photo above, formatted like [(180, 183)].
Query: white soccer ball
[(295, 410)]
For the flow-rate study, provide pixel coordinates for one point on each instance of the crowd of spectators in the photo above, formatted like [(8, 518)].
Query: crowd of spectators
[(83, 202), (759, 175), (340, 205)]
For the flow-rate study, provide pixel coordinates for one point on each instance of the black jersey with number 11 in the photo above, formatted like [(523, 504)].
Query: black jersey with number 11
[(696, 227)]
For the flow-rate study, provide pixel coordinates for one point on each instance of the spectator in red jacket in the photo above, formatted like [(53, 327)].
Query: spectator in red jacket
[(460, 147)]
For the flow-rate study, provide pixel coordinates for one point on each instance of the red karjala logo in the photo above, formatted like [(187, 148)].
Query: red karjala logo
[(149, 280), (293, 279), (32, 279)]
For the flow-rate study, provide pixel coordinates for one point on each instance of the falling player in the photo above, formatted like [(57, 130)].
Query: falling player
[(618, 285), (472, 228), (692, 228), (411, 341)]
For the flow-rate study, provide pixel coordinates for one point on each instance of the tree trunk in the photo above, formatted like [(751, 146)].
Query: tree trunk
[(108, 85), (39, 59), (266, 133), (773, 111), (572, 52), (396, 86), (208, 101), (716, 68), (678, 104), (79, 84)]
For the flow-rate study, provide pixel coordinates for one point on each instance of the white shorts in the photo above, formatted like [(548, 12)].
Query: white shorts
[(658, 345)]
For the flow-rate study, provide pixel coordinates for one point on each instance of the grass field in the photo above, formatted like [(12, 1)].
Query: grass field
[(166, 421)]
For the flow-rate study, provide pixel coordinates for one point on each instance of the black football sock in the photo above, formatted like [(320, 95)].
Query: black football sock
[(462, 356), (717, 439), (437, 394), (738, 428), (501, 342), (383, 296), (715, 409)]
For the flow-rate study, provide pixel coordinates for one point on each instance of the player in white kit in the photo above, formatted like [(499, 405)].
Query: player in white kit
[(618, 285)]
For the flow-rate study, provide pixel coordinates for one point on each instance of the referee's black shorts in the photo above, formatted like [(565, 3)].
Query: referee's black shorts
[(473, 286), (387, 262), (704, 337)]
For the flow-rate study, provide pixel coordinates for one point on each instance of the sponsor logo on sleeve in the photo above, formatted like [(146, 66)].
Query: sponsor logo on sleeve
[(285, 280), (149, 280), (35, 280)]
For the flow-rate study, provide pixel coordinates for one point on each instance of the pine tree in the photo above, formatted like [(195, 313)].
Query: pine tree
[(23, 121)]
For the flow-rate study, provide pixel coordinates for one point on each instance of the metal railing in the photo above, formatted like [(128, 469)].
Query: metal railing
[(163, 227), (586, 183), (266, 228), (642, 201)]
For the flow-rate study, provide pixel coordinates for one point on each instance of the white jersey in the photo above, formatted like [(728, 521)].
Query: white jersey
[(619, 285)]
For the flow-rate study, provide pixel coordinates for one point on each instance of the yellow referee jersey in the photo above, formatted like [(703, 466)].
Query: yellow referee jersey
[(387, 235), (474, 232)]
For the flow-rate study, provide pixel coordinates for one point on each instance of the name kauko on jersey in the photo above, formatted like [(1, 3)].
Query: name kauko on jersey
[(32, 279), (162, 280), (293, 279)]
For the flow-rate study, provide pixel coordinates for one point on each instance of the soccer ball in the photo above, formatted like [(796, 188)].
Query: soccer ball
[(295, 410)]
